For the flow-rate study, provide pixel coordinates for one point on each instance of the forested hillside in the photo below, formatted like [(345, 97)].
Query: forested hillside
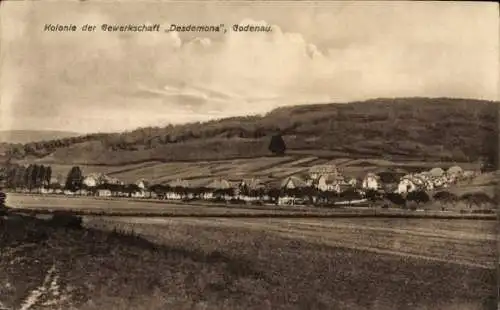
[(26, 136), (404, 128)]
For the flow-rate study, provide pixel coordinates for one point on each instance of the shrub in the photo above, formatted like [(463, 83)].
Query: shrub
[(418, 197), (477, 198), (396, 199), (445, 196), (237, 201), (67, 220), (413, 207)]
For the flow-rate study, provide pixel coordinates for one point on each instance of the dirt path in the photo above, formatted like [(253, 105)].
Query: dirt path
[(48, 295)]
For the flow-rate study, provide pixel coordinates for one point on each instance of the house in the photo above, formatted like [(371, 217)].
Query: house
[(440, 182), (142, 184), (389, 187), (454, 171), (436, 172), (220, 184), (317, 171), (45, 190), (330, 182), (293, 182), (139, 194), (371, 182), (83, 192), (57, 180), (251, 189), (92, 180), (354, 182), (406, 185), (104, 193), (177, 189), (223, 189), (252, 184), (178, 183), (110, 180)]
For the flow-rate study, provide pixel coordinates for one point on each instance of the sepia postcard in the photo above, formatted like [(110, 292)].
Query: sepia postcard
[(221, 155)]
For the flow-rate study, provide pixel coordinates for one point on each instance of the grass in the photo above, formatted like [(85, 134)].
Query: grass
[(152, 208), (186, 264)]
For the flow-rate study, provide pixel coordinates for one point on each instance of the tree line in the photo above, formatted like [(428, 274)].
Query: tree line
[(30, 177)]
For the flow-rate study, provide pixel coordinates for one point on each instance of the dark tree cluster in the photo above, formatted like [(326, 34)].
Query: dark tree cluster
[(277, 145), (74, 180), (30, 177)]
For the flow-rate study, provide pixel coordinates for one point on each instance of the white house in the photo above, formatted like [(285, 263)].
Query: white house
[(440, 182), (406, 185), (330, 182), (139, 194), (454, 171), (104, 193), (371, 182), (92, 180), (353, 182), (44, 190), (324, 183), (173, 196), (142, 184)]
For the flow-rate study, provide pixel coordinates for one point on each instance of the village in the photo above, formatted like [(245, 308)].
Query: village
[(318, 185)]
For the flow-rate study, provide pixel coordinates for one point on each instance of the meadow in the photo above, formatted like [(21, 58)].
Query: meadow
[(137, 263), (87, 205)]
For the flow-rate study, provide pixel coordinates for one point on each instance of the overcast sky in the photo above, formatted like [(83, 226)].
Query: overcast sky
[(329, 52)]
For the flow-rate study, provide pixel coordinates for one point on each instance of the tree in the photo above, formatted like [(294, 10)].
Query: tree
[(371, 195), (12, 172), (274, 194), (445, 197), (396, 199), (350, 194), (48, 175), (28, 177), (74, 179), (19, 177), (40, 177), (34, 176), (477, 198), (418, 197), (131, 189), (277, 145)]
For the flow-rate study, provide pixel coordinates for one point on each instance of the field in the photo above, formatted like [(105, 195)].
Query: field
[(150, 208), (248, 264), (486, 183), (264, 168)]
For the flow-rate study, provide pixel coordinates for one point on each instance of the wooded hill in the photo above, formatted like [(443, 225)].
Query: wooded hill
[(430, 129)]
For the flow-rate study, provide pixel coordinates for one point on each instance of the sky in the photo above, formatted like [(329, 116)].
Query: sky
[(317, 52)]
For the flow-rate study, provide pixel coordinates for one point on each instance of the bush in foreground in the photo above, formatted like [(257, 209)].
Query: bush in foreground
[(66, 219)]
